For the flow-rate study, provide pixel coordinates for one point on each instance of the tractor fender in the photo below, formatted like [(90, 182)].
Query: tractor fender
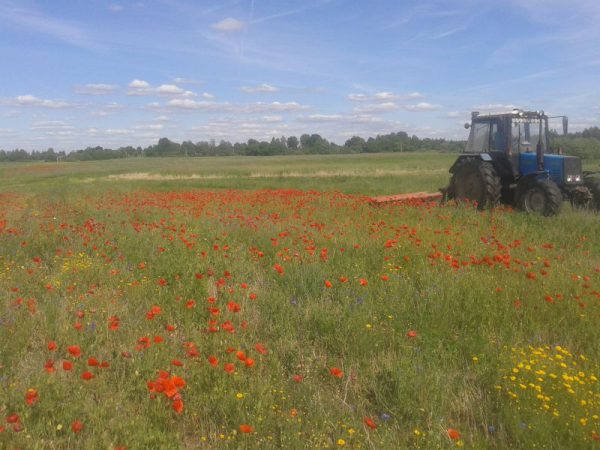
[(481, 156)]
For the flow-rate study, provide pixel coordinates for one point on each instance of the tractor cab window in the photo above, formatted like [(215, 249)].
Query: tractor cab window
[(526, 135), (498, 137), (479, 138)]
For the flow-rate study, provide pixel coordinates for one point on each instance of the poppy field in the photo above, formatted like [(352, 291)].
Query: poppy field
[(176, 313)]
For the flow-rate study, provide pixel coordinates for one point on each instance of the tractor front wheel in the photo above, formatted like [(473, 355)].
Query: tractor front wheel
[(474, 179), (539, 197)]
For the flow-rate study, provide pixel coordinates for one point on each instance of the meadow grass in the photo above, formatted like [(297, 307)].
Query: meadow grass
[(398, 326)]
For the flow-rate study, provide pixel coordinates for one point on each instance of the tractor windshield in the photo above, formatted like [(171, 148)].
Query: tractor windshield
[(479, 138), (526, 135)]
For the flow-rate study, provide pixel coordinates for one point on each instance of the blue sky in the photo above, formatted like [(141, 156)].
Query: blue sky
[(83, 73)]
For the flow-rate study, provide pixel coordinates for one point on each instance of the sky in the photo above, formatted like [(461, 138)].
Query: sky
[(79, 73)]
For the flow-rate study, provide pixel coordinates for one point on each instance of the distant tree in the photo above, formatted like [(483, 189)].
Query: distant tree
[(355, 144), (292, 143)]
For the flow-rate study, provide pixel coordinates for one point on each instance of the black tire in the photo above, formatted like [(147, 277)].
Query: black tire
[(592, 182), (474, 179), (539, 197)]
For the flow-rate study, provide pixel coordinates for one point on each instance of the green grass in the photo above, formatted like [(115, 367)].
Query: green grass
[(487, 295)]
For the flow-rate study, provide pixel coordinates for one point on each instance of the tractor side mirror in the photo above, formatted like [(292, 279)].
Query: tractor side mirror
[(565, 125), (467, 126)]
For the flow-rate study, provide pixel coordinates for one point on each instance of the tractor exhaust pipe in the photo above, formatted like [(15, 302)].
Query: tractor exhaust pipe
[(539, 149)]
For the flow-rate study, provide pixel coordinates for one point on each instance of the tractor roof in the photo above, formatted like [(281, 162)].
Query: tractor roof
[(515, 113)]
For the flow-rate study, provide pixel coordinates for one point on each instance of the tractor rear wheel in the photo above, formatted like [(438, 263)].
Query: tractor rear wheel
[(592, 182), (539, 197), (474, 179)]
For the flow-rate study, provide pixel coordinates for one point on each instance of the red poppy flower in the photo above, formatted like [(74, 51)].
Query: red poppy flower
[(170, 327), (233, 307), (249, 362), (93, 362), (279, 269), (369, 422), (13, 418), (363, 282), (253, 296), (261, 349), (74, 350), (31, 396), (76, 426), (213, 361), (113, 323), (328, 284), (240, 355), (229, 368), (246, 428), (49, 366), (178, 405), (298, 378), (177, 363), (453, 434), (52, 346), (87, 375), (336, 372), (67, 365), (411, 334)]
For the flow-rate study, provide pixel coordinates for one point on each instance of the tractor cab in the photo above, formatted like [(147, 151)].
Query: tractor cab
[(509, 157)]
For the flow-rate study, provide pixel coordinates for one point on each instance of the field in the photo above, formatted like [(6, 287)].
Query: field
[(263, 303)]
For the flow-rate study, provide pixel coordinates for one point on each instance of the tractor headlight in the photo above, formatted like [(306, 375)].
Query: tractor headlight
[(573, 178)]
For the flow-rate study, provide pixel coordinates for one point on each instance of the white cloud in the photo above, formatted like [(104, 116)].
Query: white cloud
[(106, 110), (113, 7), (272, 119), (321, 118), (118, 131), (229, 25), (169, 89), (96, 89), (358, 97), (258, 107), (150, 127), (51, 125), (274, 106), (260, 89), (421, 107), (384, 97), (141, 87), (30, 100), (377, 107), (139, 84), (181, 80), (186, 103)]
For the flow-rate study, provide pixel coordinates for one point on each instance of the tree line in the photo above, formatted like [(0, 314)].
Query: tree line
[(585, 144)]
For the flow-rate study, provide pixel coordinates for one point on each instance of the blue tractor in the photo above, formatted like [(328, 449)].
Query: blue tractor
[(508, 159)]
